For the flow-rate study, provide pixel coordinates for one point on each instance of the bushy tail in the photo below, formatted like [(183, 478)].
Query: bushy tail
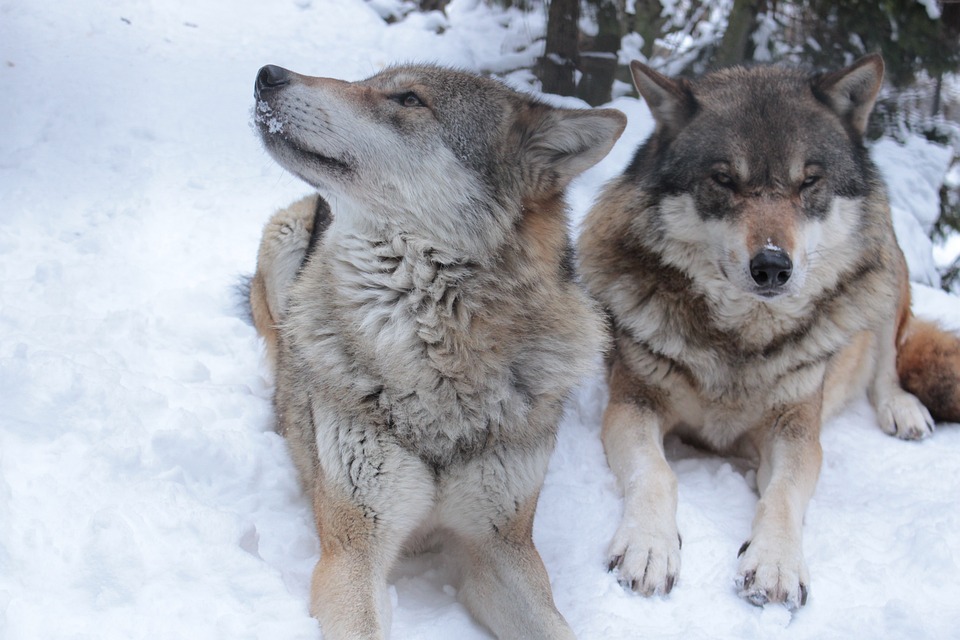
[(928, 362), (288, 238)]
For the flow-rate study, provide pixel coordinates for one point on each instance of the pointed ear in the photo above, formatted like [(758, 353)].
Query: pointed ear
[(670, 101), (567, 142), (851, 92)]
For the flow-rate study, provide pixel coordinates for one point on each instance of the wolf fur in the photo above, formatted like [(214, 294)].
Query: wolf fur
[(425, 328), (747, 261)]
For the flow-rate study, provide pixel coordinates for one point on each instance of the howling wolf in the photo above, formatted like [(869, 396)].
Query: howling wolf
[(425, 327)]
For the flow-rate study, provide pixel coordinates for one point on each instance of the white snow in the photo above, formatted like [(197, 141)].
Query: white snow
[(932, 7), (914, 171), (143, 493)]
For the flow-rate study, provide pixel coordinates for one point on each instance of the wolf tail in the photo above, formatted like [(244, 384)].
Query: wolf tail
[(288, 239), (928, 362)]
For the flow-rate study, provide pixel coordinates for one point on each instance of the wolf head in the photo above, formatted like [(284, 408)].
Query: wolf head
[(762, 170), (423, 147)]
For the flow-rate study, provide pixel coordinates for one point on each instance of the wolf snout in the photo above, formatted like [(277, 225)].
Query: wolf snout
[(271, 77), (771, 269)]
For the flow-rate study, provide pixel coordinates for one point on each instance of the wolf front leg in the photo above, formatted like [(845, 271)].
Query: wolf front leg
[(646, 547), (506, 586), (362, 532), (283, 247), (489, 506), (772, 568), (899, 412)]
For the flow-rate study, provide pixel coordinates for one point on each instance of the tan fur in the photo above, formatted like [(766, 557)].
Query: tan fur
[(928, 360), (928, 363), (263, 320), (770, 222), (711, 348), (848, 374), (284, 239), (431, 334), (539, 231)]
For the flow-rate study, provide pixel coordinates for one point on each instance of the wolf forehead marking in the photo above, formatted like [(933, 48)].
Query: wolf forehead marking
[(767, 129)]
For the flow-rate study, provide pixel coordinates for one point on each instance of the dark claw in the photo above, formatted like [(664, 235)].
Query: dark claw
[(743, 548), (803, 594), (680, 540), (614, 563), (748, 579), (669, 588)]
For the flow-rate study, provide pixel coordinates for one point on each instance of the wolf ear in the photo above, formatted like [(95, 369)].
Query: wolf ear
[(567, 142), (670, 101), (851, 92)]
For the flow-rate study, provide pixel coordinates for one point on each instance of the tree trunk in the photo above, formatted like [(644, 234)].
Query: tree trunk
[(648, 23), (737, 44), (561, 57), (937, 91), (434, 5), (599, 64)]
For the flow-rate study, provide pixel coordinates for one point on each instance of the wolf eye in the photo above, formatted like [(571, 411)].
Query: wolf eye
[(723, 179), (809, 181), (409, 99)]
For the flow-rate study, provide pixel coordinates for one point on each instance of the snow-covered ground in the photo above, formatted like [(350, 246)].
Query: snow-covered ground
[(143, 493)]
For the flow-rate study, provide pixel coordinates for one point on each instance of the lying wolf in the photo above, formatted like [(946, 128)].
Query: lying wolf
[(425, 327), (748, 264)]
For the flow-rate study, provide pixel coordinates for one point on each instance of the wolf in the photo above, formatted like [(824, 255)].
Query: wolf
[(747, 263), (425, 327)]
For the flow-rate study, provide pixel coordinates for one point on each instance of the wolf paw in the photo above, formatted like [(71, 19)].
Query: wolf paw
[(904, 416), (771, 575), (644, 563), (292, 229)]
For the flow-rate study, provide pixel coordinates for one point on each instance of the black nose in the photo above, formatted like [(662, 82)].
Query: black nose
[(771, 268), (271, 77)]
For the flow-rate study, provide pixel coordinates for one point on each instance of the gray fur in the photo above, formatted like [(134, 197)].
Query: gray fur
[(430, 340), (745, 161)]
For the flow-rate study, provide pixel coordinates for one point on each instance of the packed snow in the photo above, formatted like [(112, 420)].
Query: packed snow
[(143, 492)]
